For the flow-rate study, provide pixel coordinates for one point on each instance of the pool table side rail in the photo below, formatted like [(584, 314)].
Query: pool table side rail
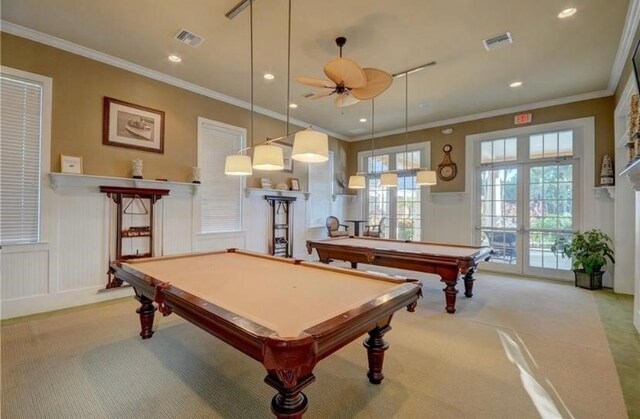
[(251, 337)]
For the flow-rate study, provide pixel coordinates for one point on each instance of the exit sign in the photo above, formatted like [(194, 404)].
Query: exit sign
[(523, 118)]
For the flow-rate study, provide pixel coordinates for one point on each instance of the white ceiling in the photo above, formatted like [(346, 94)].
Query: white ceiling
[(553, 58)]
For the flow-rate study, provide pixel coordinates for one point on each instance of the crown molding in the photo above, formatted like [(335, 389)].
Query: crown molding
[(490, 114), (92, 54), (626, 43)]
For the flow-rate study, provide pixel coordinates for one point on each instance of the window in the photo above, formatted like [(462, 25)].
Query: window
[(400, 207), (220, 195), (20, 158), (494, 151), (321, 190), (551, 144)]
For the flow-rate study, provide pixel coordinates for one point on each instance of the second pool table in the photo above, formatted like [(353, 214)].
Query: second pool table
[(448, 261), (284, 313)]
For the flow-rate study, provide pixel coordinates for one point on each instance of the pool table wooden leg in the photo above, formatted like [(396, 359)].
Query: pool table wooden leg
[(450, 293), (290, 402), (468, 283), (146, 311), (376, 346)]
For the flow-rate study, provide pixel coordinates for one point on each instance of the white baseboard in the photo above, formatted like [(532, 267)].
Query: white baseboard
[(48, 302)]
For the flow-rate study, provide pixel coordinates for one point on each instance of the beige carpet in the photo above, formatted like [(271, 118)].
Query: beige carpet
[(518, 349)]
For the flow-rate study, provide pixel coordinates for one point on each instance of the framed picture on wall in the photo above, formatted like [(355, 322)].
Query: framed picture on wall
[(70, 164), (295, 184), (132, 126)]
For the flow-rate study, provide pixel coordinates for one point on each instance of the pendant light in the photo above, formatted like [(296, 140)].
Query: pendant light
[(309, 146), (268, 157), (240, 164), (359, 181), (423, 177)]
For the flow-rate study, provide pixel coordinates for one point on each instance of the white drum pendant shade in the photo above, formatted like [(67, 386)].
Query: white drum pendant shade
[(237, 165), (426, 178), (389, 180), (268, 157), (357, 182), (310, 147)]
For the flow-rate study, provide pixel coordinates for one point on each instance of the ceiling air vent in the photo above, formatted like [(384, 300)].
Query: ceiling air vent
[(498, 41), (189, 38)]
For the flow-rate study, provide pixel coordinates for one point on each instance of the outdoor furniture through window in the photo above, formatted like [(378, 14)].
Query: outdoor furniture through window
[(374, 230)]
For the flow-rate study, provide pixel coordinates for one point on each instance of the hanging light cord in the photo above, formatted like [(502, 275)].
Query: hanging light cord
[(373, 163), (406, 120), (251, 49), (288, 68)]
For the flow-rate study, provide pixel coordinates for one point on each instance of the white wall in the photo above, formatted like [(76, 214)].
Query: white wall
[(70, 267)]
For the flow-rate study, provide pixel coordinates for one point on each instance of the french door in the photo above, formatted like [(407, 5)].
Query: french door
[(528, 213)]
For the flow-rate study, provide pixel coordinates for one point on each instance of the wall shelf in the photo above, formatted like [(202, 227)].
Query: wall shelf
[(343, 196), (59, 180), (605, 191), (632, 171), (248, 192)]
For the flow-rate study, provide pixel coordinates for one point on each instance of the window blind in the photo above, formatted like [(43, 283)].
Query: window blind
[(20, 137), (320, 188), (220, 195)]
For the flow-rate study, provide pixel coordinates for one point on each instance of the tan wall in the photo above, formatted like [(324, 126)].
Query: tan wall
[(79, 85), (601, 109)]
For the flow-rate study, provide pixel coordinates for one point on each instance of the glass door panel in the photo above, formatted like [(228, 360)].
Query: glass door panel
[(408, 209), (551, 216), (499, 212), (378, 205)]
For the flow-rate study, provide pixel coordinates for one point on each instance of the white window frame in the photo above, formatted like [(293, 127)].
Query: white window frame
[(197, 208), (425, 160), (45, 226)]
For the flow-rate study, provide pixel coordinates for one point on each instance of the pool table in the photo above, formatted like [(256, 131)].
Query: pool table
[(284, 313), (448, 261)]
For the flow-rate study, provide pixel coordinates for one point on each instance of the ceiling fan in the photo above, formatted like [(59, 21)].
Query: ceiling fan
[(348, 81)]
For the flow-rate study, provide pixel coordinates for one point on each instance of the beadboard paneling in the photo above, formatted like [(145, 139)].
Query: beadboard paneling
[(24, 272)]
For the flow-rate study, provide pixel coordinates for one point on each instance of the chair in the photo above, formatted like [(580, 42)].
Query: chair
[(503, 244), (374, 230), (333, 227)]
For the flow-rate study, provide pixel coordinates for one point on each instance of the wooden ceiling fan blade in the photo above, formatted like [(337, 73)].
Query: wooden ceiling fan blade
[(345, 71), (321, 94), (309, 81), (377, 82), (345, 99)]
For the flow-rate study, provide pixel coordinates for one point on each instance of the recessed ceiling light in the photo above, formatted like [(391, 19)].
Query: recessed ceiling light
[(174, 58), (516, 84), (567, 13), (363, 119), (293, 105), (269, 76)]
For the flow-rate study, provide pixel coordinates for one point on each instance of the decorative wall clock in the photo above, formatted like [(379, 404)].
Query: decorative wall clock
[(447, 169)]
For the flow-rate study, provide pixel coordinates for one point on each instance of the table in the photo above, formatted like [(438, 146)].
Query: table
[(447, 261), (284, 313), (356, 226)]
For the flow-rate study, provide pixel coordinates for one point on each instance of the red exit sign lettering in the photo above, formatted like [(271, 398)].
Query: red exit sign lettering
[(523, 118)]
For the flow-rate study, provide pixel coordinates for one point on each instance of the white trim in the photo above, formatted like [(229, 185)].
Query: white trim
[(626, 43), (497, 112), (585, 153), (64, 45)]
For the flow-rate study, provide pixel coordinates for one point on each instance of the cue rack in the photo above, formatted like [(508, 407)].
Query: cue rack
[(134, 223), (281, 220)]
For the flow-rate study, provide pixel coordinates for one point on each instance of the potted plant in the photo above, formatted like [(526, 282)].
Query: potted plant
[(590, 251)]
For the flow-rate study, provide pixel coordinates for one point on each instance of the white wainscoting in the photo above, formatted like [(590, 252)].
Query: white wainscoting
[(69, 267)]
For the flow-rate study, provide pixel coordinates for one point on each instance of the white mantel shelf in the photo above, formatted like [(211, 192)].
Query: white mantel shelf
[(632, 171), (606, 191), (60, 180), (261, 191)]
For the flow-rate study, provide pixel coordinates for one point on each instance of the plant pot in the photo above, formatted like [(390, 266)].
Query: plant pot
[(588, 281)]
